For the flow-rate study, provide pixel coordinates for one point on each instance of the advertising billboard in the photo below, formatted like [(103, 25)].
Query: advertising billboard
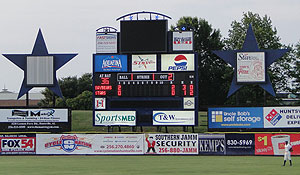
[(171, 143), (182, 41), (110, 63), (282, 117), (119, 144), (18, 144), (65, 143), (177, 62), (250, 67), (110, 118), (35, 119), (174, 118), (273, 144), (144, 63), (240, 144), (212, 144), (106, 42), (235, 117)]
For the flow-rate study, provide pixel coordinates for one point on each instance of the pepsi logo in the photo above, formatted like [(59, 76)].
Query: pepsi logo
[(180, 60)]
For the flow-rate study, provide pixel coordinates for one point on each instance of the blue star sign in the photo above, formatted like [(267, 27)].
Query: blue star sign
[(40, 67), (250, 64)]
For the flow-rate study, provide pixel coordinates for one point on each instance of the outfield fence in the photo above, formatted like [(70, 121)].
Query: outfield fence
[(148, 144)]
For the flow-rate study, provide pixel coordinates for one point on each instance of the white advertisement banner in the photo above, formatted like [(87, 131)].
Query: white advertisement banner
[(34, 115), (183, 41), (109, 118), (143, 63), (174, 118), (171, 143), (250, 67), (177, 62), (106, 43), (119, 144), (282, 117), (65, 143)]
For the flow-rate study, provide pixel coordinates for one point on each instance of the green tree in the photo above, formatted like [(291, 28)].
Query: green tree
[(296, 73), (74, 90), (214, 73), (266, 35)]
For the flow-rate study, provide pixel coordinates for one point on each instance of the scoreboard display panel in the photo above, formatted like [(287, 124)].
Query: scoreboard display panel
[(151, 89)]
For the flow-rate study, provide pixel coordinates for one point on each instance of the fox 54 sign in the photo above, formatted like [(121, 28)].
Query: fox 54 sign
[(17, 144)]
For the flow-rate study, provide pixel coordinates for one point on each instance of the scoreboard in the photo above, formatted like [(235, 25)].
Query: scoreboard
[(145, 89)]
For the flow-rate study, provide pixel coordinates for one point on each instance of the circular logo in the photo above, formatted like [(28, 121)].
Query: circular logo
[(180, 60)]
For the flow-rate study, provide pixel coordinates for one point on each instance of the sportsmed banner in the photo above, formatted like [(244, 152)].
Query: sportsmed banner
[(173, 118), (171, 143), (235, 117), (119, 144), (18, 144), (273, 144), (110, 118), (212, 144)]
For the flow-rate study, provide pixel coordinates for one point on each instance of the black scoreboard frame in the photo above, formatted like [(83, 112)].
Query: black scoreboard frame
[(144, 106)]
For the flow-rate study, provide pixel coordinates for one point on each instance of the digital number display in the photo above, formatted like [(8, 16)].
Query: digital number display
[(178, 84)]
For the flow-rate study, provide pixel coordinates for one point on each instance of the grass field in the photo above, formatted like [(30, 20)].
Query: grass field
[(144, 165)]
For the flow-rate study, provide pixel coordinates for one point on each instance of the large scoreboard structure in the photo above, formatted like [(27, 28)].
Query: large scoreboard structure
[(154, 86)]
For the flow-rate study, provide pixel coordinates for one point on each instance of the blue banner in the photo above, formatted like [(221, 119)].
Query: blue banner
[(110, 63), (212, 144), (235, 117), (240, 144)]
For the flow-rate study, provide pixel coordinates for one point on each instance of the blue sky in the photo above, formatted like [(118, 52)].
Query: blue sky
[(69, 26)]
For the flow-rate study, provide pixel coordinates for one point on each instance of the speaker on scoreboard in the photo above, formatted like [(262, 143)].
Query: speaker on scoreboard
[(143, 36)]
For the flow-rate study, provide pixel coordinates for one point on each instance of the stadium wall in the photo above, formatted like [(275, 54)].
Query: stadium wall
[(148, 144)]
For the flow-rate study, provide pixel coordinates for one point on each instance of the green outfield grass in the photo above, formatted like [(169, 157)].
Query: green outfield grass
[(144, 165), (82, 121)]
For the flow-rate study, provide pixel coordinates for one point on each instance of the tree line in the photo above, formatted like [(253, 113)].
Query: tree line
[(215, 75)]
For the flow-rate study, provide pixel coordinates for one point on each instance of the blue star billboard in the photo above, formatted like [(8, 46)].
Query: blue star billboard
[(39, 67), (250, 64)]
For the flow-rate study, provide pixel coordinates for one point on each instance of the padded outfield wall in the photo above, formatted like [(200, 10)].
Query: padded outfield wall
[(148, 144)]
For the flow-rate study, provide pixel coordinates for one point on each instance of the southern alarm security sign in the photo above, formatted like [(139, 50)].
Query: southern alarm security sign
[(177, 62), (110, 63), (282, 117), (143, 63), (250, 67), (236, 117), (173, 118), (171, 143)]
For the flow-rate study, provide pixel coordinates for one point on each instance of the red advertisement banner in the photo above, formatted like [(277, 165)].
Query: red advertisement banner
[(273, 144)]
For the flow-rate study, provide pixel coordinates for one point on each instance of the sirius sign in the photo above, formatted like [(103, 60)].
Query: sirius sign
[(173, 118)]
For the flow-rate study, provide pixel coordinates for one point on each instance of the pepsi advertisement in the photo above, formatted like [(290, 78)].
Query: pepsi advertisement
[(240, 144), (110, 63), (212, 144), (235, 117)]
